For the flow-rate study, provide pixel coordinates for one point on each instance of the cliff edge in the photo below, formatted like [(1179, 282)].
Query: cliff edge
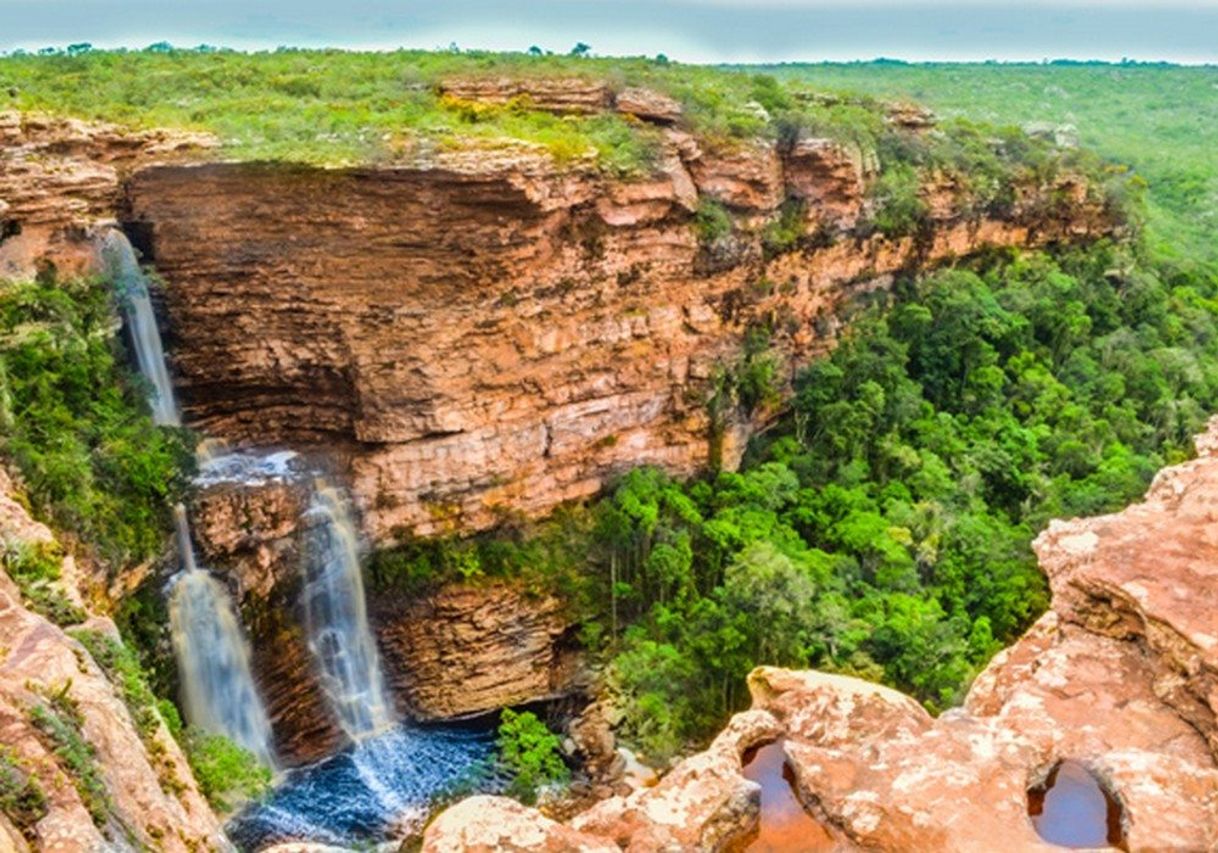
[(1120, 676)]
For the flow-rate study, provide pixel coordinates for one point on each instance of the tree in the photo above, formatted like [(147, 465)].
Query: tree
[(530, 752), (581, 49)]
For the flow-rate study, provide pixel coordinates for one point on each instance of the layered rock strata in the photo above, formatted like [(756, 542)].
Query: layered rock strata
[(483, 334), (1118, 676), (453, 651), (59, 177)]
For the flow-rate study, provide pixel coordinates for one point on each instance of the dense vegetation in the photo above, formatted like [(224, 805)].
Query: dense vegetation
[(340, 107), (529, 753), (884, 530), (74, 422), (36, 569), (1160, 119)]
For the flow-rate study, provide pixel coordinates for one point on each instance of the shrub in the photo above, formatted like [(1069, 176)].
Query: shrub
[(530, 753), (21, 797), (59, 721), (900, 210), (228, 775), (711, 221), (35, 568)]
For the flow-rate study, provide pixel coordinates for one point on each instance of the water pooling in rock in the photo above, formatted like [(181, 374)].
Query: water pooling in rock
[(1072, 809), (336, 617), (784, 826), (382, 787)]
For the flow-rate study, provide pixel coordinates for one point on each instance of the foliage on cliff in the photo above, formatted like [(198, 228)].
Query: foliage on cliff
[(1161, 119), (530, 753), (74, 422), (341, 108), (885, 529)]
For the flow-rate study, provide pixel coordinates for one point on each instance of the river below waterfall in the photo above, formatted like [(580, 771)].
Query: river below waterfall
[(382, 788)]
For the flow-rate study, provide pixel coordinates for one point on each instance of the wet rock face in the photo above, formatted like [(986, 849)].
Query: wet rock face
[(1115, 682), (480, 334)]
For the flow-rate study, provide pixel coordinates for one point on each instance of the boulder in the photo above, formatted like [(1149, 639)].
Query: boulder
[(648, 104)]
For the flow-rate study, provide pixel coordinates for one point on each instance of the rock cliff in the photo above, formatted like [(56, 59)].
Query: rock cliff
[(1119, 676), (483, 333), (458, 650), (59, 177)]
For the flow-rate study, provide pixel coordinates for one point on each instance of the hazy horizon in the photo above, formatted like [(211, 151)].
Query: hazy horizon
[(710, 31)]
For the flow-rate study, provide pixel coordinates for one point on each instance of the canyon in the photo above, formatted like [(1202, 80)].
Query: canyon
[(471, 337)]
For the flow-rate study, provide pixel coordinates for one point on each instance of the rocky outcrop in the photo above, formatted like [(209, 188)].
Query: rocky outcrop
[(499, 825), (151, 799), (1119, 676), (59, 177), (472, 649), (481, 334), (553, 94)]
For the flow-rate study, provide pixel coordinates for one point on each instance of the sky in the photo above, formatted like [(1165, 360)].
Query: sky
[(684, 30)]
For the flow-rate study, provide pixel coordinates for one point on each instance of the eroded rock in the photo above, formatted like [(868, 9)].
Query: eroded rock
[(1117, 677)]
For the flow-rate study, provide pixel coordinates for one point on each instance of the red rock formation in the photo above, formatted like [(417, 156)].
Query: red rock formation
[(58, 177), (466, 650), (1119, 676), (481, 334)]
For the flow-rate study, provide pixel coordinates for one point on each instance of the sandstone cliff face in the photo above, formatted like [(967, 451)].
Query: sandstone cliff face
[(455, 651), (59, 177), (466, 650), (155, 801), (481, 333), (1118, 676)]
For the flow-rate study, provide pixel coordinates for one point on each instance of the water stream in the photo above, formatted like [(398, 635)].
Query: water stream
[(119, 258), (211, 651), (336, 617), (213, 656)]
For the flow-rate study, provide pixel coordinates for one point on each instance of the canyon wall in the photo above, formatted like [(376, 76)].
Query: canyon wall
[(60, 177), (453, 651), (1121, 676), (482, 334)]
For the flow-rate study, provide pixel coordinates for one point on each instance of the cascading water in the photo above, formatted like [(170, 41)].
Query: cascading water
[(337, 619), (213, 657), (119, 258), (386, 782), (212, 654)]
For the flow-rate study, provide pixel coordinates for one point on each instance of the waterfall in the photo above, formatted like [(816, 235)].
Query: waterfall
[(213, 656), (119, 258), (337, 618)]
